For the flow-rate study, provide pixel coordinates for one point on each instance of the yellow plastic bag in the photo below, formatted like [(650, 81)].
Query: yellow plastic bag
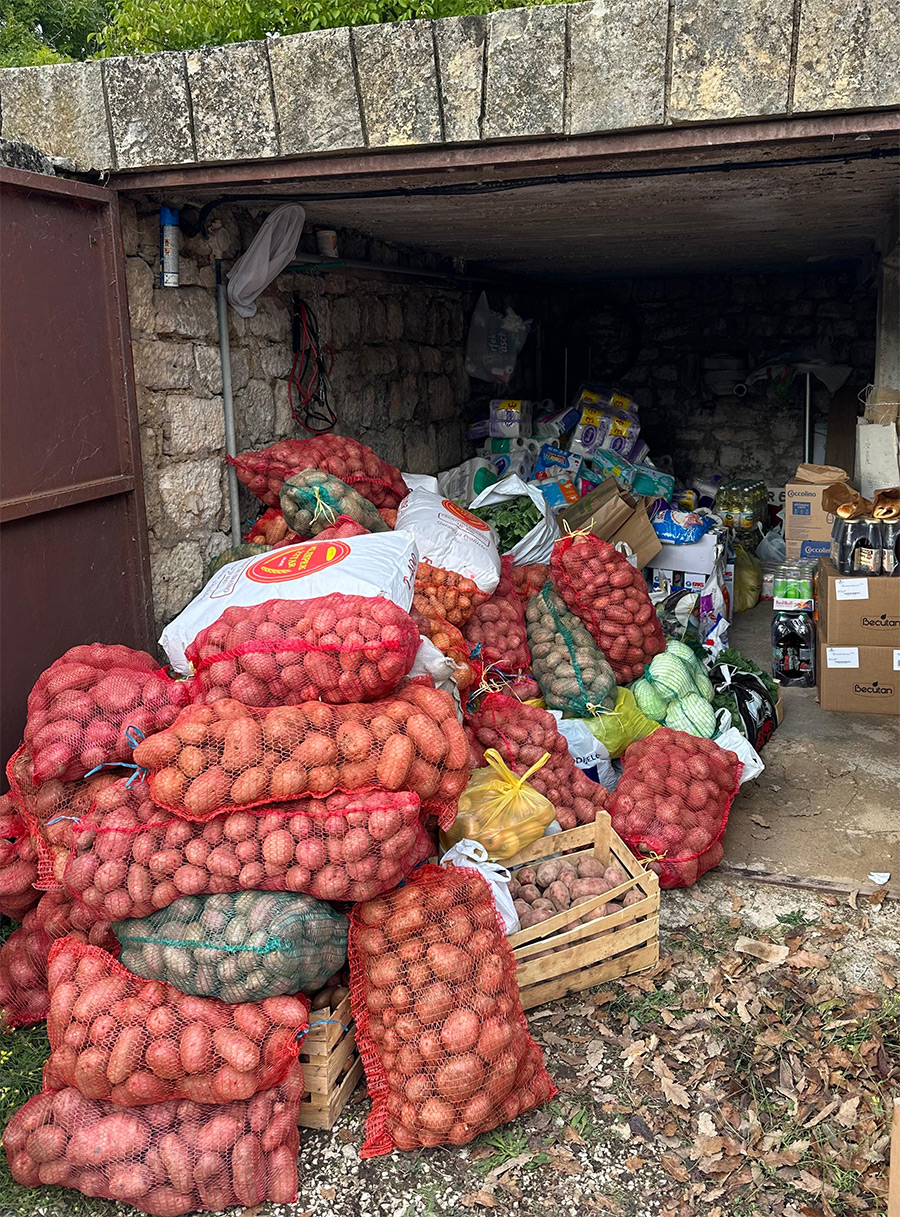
[(500, 810), (748, 579), (621, 726)]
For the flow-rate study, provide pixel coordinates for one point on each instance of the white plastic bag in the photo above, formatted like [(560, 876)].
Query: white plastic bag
[(494, 343), (447, 535), (473, 856), (464, 481), (746, 753), (585, 749), (536, 545), (429, 661), (377, 564), (421, 481)]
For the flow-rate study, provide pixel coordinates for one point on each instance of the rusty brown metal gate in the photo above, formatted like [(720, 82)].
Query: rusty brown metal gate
[(73, 535)]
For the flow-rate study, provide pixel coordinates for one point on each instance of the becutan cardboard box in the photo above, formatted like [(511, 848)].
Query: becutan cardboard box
[(857, 611), (864, 680), (614, 515)]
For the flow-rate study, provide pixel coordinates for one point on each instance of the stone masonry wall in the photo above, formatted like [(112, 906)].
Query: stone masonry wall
[(398, 381)]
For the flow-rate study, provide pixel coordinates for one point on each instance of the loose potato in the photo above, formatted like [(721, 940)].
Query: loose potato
[(521, 908), (548, 872), (542, 904), (560, 895), (526, 875), (589, 867), (633, 897), (614, 875), (529, 893)]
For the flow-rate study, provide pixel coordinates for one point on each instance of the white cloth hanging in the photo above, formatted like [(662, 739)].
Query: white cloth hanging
[(270, 251)]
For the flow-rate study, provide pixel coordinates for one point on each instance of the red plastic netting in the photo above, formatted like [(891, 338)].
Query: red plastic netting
[(24, 998), (444, 593), (271, 528), (228, 757), (522, 734), (18, 862), (126, 857), (389, 515), (529, 579), (599, 585), (354, 463), (496, 630), (342, 527), (671, 805), (449, 641), (115, 1036), (440, 1026), (88, 706), (166, 1159), (334, 648)]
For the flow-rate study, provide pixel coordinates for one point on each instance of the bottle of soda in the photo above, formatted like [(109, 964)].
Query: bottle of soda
[(863, 546), (794, 649), (890, 547), (838, 552)]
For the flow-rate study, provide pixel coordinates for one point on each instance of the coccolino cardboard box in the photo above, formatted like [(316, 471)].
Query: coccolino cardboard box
[(807, 525)]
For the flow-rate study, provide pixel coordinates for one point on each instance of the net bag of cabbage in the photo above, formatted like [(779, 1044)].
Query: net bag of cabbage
[(522, 734), (125, 857), (312, 500), (497, 628), (166, 1159), (90, 705), (499, 810), (271, 528), (568, 665), (440, 1027), (239, 947), (115, 1036), (227, 757), (24, 998), (333, 648), (600, 587), (671, 805), (354, 463), (18, 862)]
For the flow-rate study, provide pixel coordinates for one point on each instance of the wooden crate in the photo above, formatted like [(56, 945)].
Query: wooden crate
[(587, 955), (332, 1067)]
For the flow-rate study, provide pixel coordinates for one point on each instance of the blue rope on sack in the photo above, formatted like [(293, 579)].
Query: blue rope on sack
[(131, 733), (139, 774), (320, 1022)]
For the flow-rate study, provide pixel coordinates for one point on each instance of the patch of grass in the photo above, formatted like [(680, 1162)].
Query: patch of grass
[(884, 1022), (796, 919), (507, 1143), (644, 1008)]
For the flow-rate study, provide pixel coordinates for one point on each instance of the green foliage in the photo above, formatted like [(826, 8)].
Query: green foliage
[(48, 31)]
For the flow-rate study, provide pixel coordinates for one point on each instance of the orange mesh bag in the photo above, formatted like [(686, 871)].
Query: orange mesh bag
[(672, 802), (332, 648), (342, 527), (165, 1159), (389, 515), (528, 580), (128, 858), (18, 862), (449, 641), (440, 1026), (227, 757), (522, 734), (271, 529), (598, 585), (444, 593), (115, 1036), (24, 998), (354, 463), (88, 706), (496, 630)]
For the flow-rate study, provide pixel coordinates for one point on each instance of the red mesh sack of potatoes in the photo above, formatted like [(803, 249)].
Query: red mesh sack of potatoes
[(18, 862), (332, 648), (522, 734), (228, 757), (165, 1159), (496, 630), (342, 527), (128, 858), (115, 1036), (24, 998), (271, 529), (354, 463), (88, 706), (449, 641), (671, 804), (440, 1026), (444, 593), (528, 580), (600, 586)]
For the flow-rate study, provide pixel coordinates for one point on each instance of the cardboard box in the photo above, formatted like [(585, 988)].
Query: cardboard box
[(807, 551), (698, 556), (805, 519), (864, 680), (857, 611), (614, 515)]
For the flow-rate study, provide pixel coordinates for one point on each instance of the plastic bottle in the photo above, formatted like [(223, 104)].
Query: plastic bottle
[(794, 650), (863, 547), (890, 547)]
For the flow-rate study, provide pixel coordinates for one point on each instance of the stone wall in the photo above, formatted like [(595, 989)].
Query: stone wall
[(564, 69), (754, 316), (398, 382)]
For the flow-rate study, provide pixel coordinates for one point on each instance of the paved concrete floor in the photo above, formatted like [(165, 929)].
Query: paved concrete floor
[(828, 804)]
